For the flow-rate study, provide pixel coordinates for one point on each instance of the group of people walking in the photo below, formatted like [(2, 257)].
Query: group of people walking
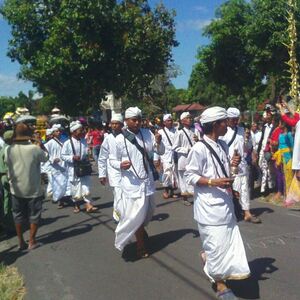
[(216, 161)]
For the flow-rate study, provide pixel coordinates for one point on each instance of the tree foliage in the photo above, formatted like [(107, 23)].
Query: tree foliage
[(10, 104), (246, 43), (77, 50)]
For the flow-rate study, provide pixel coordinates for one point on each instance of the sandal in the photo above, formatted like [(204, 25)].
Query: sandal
[(187, 203), (165, 195), (76, 210), (142, 253), (34, 246), (60, 206), (91, 208), (253, 219)]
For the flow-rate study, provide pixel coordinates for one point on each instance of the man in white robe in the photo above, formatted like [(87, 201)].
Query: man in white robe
[(58, 175), (46, 169), (235, 139), (208, 169), (264, 164), (75, 149), (106, 171), (133, 157), (169, 167), (184, 140)]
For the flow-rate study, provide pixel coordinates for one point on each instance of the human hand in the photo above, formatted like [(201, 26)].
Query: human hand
[(236, 159), (125, 165), (156, 163), (157, 138), (56, 160), (76, 158), (222, 182)]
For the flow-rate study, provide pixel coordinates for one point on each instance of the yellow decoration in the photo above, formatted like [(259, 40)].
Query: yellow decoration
[(293, 70)]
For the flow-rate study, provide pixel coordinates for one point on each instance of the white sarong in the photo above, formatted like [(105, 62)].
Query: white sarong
[(241, 185), (80, 187), (118, 210), (185, 188), (225, 252), (137, 212)]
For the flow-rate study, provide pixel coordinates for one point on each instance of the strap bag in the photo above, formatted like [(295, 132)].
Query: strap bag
[(235, 195), (81, 167), (131, 138)]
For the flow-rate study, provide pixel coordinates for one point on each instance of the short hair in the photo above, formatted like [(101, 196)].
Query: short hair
[(207, 127)]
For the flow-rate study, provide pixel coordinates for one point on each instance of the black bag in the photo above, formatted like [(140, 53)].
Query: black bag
[(82, 168), (131, 138)]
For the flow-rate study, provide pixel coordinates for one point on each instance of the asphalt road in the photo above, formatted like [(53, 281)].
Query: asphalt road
[(78, 261)]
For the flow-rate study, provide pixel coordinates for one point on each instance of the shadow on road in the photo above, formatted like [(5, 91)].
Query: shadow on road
[(8, 256), (105, 205), (249, 288), (48, 221), (157, 242), (261, 210), (167, 202)]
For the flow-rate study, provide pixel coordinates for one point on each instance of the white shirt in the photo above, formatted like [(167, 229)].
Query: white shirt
[(296, 152), (237, 144), (213, 205), (54, 149), (268, 128), (136, 180), (183, 146), (168, 155), (104, 167), (256, 136), (67, 154)]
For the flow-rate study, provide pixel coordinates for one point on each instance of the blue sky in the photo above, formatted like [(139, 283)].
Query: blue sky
[(192, 16)]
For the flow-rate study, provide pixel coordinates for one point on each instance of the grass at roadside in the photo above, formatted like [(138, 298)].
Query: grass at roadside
[(11, 284)]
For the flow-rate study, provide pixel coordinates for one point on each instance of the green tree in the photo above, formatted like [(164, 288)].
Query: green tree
[(77, 50), (246, 43)]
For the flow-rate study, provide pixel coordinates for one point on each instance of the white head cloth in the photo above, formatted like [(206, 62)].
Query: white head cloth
[(25, 118), (74, 126), (233, 112), (56, 127), (132, 112), (213, 114), (117, 117), (184, 115), (167, 117), (49, 131)]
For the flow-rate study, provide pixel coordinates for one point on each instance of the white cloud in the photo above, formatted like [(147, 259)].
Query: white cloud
[(201, 8), (10, 85), (193, 25)]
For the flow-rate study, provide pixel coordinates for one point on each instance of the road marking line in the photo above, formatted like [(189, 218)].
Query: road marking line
[(298, 216)]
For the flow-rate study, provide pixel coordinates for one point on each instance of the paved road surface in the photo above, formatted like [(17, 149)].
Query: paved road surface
[(78, 261)]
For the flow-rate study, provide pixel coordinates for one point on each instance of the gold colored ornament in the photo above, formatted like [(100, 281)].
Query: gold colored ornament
[(292, 63)]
